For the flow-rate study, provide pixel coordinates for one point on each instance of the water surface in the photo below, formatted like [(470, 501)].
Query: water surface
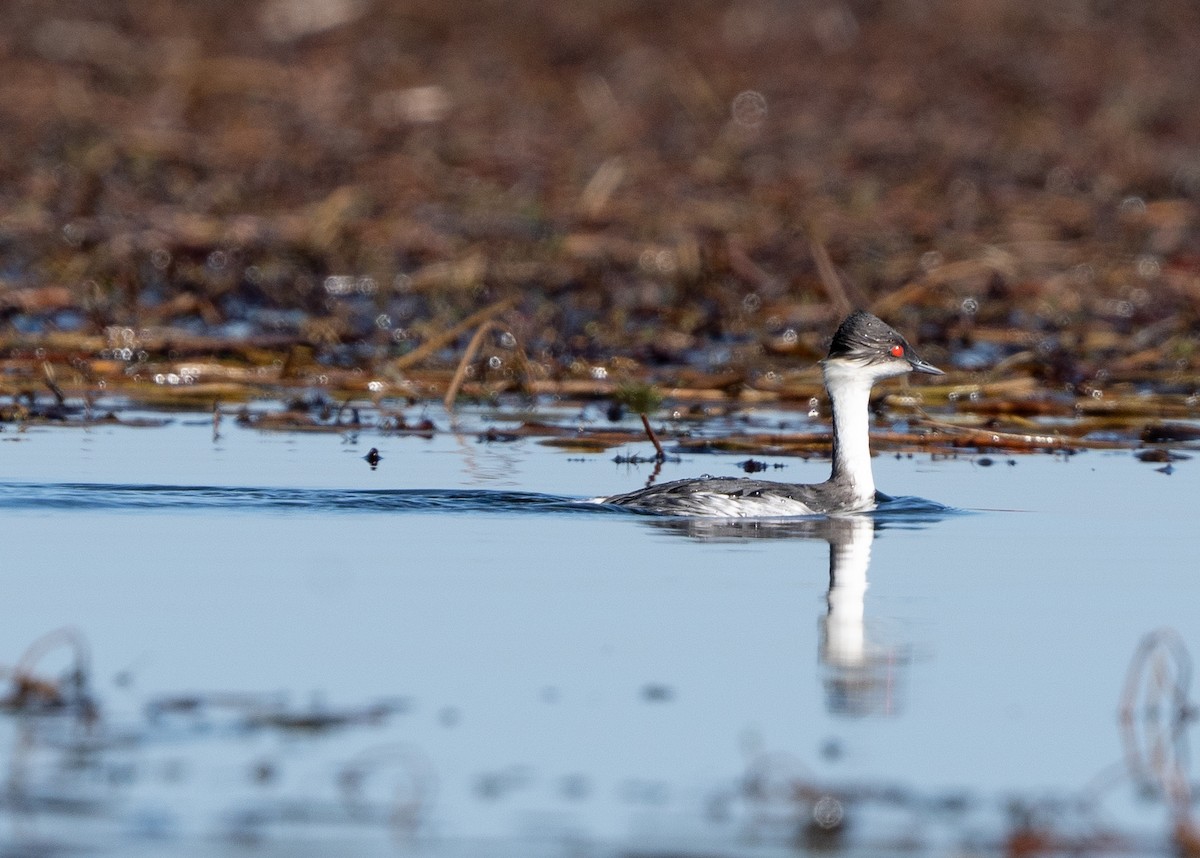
[(450, 650)]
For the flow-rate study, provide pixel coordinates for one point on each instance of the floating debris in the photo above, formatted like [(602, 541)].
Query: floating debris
[(1159, 454)]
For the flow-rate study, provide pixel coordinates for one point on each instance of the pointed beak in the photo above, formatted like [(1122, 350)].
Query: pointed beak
[(919, 365)]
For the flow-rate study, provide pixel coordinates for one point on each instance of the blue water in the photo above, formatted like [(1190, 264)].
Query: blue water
[(524, 673)]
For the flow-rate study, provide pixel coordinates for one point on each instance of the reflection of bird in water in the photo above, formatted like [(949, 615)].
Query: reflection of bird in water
[(864, 350), (862, 677)]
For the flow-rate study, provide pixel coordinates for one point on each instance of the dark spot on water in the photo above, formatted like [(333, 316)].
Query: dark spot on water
[(490, 786), (264, 772), (373, 458), (832, 750), (449, 716), (985, 461), (956, 802), (495, 436), (657, 693), (752, 466), (635, 459)]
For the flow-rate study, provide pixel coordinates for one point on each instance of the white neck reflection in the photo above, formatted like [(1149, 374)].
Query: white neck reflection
[(862, 676)]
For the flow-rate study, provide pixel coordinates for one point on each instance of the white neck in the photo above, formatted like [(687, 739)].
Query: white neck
[(850, 390)]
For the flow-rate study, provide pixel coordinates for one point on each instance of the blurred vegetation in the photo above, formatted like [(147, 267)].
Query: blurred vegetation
[(693, 191)]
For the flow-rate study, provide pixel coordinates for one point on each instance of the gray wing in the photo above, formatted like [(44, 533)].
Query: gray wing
[(699, 496)]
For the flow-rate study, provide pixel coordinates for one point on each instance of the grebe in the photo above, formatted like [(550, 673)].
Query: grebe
[(864, 350)]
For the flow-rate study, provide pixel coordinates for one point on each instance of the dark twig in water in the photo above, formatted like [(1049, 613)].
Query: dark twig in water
[(643, 398), (658, 464), (661, 454)]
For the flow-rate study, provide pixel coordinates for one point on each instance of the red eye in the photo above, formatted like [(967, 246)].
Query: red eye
[(897, 350)]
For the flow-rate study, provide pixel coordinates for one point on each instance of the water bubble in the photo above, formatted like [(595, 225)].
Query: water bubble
[(217, 260), (749, 109), (1133, 205), (790, 336), (338, 285), (970, 306), (383, 321), (375, 386), (399, 335), (930, 260), (418, 105), (495, 362), (253, 274), (72, 234), (401, 282), (657, 261), (160, 258), (507, 340), (598, 373), (828, 812), (322, 379), (751, 303), (1120, 309), (1148, 266)]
